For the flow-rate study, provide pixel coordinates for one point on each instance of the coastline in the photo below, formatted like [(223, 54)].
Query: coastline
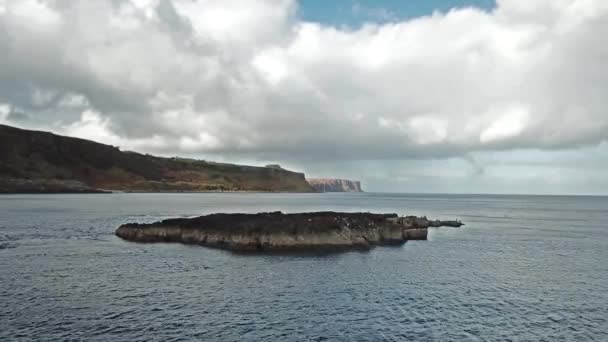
[(106, 191)]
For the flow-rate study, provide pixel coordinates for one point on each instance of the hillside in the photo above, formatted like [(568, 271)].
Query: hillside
[(34, 161)]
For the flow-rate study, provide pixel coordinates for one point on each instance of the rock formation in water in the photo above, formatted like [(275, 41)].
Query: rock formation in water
[(33, 161), (276, 231), (334, 185)]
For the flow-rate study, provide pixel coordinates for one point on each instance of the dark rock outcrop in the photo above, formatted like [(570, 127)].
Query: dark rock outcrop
[(277, 231), (334, 185), (424, 222), (33, 161)]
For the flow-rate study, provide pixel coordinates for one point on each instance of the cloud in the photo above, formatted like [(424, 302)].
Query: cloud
[(5, 111), (510, 123), (251, 79)]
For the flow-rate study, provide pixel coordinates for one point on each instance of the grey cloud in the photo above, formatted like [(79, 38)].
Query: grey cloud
[(249, 79), (17, 116)]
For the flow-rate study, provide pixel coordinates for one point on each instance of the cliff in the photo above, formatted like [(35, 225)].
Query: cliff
[(334, 185), (34, 161), (285, 232)]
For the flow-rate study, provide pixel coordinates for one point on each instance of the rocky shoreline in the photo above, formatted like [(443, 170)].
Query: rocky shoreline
[(276, 231), (46, 186)]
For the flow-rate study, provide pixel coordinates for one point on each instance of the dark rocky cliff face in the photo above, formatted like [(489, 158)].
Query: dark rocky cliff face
[(33, 161), (335, 185)]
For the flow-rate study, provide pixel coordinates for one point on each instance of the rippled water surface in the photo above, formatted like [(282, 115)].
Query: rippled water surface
[(523, 269)]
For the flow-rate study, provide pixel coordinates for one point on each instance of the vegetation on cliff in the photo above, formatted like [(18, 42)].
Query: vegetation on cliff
[(34, 161)]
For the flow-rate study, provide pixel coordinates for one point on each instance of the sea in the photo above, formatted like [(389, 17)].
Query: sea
[(523, 268)]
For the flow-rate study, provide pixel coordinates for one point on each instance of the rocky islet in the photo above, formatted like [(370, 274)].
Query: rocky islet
[(277, 231)]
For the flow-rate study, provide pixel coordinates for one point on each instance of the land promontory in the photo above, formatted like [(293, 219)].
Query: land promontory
[(38, 162), (277, 231), (334, 185)]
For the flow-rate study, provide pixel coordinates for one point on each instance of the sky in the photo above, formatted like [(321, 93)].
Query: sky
[(352, 13), (448, 96)]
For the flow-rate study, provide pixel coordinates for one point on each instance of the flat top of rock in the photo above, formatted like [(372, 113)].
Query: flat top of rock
[(272, 222)]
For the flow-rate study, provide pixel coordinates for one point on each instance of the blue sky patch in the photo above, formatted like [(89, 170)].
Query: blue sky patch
[(357, 12)]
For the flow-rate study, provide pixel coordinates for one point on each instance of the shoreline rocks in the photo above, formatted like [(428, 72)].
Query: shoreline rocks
[(46, 186), (276, 231)]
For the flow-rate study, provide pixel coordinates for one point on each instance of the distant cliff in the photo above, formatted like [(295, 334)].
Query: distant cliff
[(335, 185), (33, 161)]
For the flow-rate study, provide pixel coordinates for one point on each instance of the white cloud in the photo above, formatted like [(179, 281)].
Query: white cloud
[(92, 126), (428, 130), (237, 78), (5, 109), (508, 125), (38, 14), (271, 65), (233, 21), (71, 100)]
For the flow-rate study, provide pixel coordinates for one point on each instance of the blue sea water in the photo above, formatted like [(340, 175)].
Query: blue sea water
[(524, 268)]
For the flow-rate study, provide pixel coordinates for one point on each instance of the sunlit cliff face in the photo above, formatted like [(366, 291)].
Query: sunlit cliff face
[(253, 81)]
